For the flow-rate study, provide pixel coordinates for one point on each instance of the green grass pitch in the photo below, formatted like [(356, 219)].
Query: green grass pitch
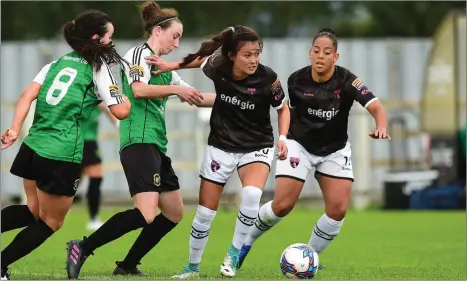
[(372, 245)]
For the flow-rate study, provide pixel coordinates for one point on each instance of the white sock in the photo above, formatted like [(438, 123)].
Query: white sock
[(265, 220), (326, 229), (246, 216), (200, 233)]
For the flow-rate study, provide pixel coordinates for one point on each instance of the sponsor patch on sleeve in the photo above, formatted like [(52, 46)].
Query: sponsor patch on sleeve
[(277, 91), (136, 70), (114, 91), (276, 86), (358, 84)]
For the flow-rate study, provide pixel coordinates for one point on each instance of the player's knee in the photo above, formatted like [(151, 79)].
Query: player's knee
[(54, 222), (33, 206), (149, 214), (282, 208), (336, 211), (204, 215), (175, 215), (251, 196), (176, 218)]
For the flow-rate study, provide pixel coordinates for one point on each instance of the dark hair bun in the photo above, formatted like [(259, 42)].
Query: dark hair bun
[(149, 10), (328, 30)]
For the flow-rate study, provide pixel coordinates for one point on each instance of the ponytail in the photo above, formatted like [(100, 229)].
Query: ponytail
[(209, 47), (77, 34)]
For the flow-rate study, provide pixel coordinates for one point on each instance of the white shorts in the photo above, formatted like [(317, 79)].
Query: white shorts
[(218, 165), (299, 163)]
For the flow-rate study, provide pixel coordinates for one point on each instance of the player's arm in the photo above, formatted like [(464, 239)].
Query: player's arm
[(139, 74), (109, 115), (163, 66), (24, 104), (27, 97), (380, 115), (208, 64), (278, 100), (22, 107), (207, 98), (109, 92), (367, 99), (145, 91), (283, 116)]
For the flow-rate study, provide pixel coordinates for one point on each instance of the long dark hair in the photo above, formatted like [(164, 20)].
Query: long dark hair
[(231, 40), (78, 33)]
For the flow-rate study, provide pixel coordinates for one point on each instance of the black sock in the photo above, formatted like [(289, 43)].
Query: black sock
[(117, 226), (25, 242), (16, 216), (94, 196), (148, 238)]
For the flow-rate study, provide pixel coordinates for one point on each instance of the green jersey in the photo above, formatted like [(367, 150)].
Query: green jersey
[(70, 89), (92, 126), (146, 123)]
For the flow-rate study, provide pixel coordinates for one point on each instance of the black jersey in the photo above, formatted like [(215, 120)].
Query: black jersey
[(320, 111), (240, 119)]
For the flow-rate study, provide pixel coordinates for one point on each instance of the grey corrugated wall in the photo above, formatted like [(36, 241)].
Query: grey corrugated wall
[(392, 68)]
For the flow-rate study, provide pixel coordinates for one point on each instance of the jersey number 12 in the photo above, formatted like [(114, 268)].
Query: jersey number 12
[(59, 88)]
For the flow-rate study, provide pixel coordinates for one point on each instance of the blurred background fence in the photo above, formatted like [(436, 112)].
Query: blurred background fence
[(392, 68)]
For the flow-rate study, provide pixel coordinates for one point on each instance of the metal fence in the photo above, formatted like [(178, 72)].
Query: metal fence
[(393, 68)]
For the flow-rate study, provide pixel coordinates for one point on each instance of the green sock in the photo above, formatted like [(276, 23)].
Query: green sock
[(234, 251), (194, 266)]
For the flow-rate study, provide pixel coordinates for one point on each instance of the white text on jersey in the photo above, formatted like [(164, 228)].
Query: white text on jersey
[(326, 114), (235, 101)]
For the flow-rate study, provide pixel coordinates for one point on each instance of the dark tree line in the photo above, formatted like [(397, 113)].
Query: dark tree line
[(34, 20)]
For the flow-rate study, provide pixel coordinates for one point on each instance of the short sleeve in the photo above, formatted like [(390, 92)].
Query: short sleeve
[(106, 86), (40, 77), (139, 70), (212, 62), (359, 91), (278, 95), (177, 80)]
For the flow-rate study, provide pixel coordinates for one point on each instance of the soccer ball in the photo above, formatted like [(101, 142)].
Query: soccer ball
[(299, 261)]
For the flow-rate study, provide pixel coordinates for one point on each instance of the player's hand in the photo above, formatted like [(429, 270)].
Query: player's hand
[(8, 138), (281, 150), (162, 65), (189, 95), (380, 134)]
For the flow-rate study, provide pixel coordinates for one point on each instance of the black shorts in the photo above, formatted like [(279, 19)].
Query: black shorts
[(51, 176), (147, 169), (91, 154)]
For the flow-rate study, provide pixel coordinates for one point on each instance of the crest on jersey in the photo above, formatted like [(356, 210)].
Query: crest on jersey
[(251, 91), (215, 165), (294, 161), (136, 70), (76, 184), (157, 180), (364, 92), (114, 91), (337, 93)]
